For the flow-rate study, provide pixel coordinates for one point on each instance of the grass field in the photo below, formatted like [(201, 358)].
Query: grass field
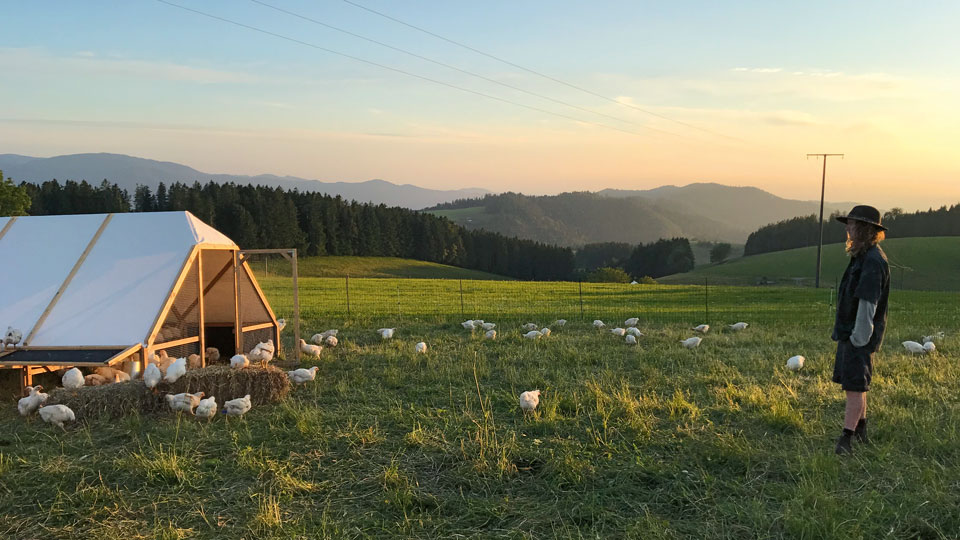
[(653, 441), (366, 267), (916, 263)]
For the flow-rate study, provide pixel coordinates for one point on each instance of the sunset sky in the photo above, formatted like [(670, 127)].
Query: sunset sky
[(676, 92)]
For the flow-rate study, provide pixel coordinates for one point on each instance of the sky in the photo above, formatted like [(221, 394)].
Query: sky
[(538, 97)]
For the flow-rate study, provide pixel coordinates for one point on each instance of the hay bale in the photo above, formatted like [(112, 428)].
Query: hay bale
[(114, 400)]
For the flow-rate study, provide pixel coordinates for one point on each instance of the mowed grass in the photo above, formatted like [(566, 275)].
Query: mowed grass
[(916, 263), (653, 441), (366, 267)]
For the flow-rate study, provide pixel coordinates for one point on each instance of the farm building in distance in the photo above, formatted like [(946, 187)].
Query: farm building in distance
[(109, 289)]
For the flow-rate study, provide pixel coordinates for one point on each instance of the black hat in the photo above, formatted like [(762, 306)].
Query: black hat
[(864, 213)]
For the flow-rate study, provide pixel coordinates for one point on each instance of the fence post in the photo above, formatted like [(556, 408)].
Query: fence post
[(348, 295), (706, 298), (580, 284), (461, 297)]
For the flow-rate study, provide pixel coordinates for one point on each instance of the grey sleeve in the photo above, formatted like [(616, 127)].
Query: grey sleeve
[(863, 329)]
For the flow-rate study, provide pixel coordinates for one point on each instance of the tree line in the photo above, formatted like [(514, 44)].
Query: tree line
[(315, 224), (653, 260), (805, 231)]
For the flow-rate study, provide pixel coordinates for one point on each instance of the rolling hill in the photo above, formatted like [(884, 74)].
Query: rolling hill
[(709, 212), (127, 172), (915, 263), (367, 267)]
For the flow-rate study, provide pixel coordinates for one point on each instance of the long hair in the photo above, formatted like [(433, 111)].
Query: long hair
[(863, 237)]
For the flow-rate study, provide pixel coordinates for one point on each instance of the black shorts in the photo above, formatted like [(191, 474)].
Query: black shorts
[(853, 368)]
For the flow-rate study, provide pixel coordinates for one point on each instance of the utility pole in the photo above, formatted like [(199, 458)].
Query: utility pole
[(823, 185)]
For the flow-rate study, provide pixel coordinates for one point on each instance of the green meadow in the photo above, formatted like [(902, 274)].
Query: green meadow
[(646, 441)]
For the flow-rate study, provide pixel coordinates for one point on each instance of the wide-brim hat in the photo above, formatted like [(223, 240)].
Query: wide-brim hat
[(864, 213)]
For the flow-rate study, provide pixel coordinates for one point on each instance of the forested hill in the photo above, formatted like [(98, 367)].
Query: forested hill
[(575, 219), (315, 224), (805, 231)]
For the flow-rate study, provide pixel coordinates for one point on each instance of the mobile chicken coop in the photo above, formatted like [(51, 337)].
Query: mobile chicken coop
[(108, 289)]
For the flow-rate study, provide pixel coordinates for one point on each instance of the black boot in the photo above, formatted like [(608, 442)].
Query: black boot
[(861, 431), (843, 443)]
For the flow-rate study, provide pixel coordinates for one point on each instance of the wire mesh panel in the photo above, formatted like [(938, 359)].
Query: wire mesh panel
[(252, 337), (183, 351), (183, 319)]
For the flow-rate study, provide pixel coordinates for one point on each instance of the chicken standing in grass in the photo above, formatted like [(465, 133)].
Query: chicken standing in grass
[(386, 333), (738, 326), (529, 327), (634, 331), (57, 415), (795, 363), (533, 334), (598, 324), (237, 407), (618, 332), (545, 332), (631, 339), (421, 348), (488, 326), (913, 347), (491, 334), (34, 399), (559, 323), (529, 400), (302, 375), (310, 350), (632, 321), (331, 341), (933, 337), (207, 408), (184, 402), (467, 325), (72, 379), (702, 328), (691, 343)]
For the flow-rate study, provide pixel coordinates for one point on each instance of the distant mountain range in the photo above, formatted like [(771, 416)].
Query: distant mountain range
[(127, 172), (710, 212)]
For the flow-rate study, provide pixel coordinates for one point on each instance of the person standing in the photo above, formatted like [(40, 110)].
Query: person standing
[(861, 318)]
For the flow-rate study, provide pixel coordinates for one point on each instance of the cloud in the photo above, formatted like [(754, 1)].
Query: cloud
[(757, 70), (40, 61)]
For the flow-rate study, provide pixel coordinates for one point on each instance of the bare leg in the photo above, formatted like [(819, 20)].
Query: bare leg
[(856, 408), (863, 414)]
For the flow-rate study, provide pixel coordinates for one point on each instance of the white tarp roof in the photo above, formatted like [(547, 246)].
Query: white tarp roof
[(116, 294)]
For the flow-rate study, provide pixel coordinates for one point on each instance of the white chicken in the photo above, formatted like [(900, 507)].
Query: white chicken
[(488, 326), (213, 355), (691, 343), (529, 326), (545, 332), (529, 400), (239, 361), (281, 324), (331, 341), (57, 415), (618, 332), (598, 324), (237, 407), (72, 379), (176, 370), (467, 325), (913, 347), (12, 338), (35, 398), (631, 339), (184, 401), (386, 333), (262, 353), (421, 348), (702, 328), (795, 362), (933, 337), (632, 321), (533, 334), (302, 375), (490, 334), (634, 331), (317, 339), (310, 350), (738, 326), (111, 375), (478, 323), (152, 376), (207, 408), (559, 323), (929, 347)]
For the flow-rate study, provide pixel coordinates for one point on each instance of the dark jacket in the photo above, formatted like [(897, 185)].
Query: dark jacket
[(867, 278)]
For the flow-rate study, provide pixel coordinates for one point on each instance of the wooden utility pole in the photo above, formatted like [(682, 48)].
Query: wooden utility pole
[(823, 185)]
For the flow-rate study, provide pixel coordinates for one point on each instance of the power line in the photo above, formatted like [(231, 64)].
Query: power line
[(407, 73), (539, 74), (455, 68)]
